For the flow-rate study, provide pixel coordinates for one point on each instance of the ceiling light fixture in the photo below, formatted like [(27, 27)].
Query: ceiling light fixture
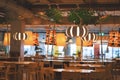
[(76, 31), (89, 37), (20, 36)]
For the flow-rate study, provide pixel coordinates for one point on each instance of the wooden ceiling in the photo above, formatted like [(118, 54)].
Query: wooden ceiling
[(40, 5), (69, 4), (36, 6)]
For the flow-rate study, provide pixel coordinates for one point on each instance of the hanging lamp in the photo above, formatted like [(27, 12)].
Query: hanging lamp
[(50, 37), (76, 31), (89, 37), (20, 36), (6, 41), (60, 39)]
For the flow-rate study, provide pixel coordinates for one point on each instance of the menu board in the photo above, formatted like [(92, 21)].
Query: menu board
[(114, 39)]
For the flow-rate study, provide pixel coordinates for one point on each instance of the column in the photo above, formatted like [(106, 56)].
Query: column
[(16, 46)]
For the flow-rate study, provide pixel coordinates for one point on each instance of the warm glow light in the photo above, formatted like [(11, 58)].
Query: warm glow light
[(20, 36), (50, 37), (71, 32), (83, 43), (60, 39), (76, 31), (78, 41), (87, 43), (89, 37), (31, 38), (6, 41)]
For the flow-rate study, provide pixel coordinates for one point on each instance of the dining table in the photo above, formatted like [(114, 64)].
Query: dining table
[(73, 70), (76, 72), (89, 65)]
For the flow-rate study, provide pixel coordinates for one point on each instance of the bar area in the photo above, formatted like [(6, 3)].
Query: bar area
[(59, 40)]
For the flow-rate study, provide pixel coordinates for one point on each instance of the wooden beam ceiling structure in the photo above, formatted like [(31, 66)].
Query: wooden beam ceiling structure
[(73, 4), (36, 6)]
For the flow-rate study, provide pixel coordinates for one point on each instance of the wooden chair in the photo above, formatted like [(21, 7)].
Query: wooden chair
[(108, 71), (12, 72), (70, 76), (30, 71), (56, 64), (97, 76), (84, 76), (4, 72), (48, 73), (116, 70), (47, 64), (102, 74), (40, 72)]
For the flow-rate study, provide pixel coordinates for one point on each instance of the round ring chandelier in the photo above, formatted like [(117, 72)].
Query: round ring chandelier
[(76, 30), (20, 36), (89, 37)]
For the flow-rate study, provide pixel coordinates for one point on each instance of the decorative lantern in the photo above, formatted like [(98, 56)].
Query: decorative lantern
[(50, 37), (60, 39), (20, 36), (89, 37), (32, 38), (83, 43), (76, 31), (35, 39), (6, 41)]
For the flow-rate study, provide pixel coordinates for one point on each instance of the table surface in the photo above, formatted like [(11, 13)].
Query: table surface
[(84, 61), (18, 62), (89, 65), (73, 70)]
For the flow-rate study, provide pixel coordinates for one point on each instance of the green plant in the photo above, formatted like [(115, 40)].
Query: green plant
[(83, 16), (54, 15), (103, 18)]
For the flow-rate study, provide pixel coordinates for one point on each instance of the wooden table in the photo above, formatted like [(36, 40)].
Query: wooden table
[(73, 70), (73, 73), (89, 65), (18, 63)]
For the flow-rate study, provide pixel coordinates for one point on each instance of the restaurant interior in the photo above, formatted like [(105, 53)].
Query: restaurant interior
[(59, 40)]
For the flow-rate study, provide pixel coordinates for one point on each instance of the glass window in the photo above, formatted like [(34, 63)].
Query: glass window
[(29, 50), (88, 52)]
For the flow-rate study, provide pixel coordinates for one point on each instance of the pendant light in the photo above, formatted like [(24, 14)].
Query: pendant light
[(20, 36)]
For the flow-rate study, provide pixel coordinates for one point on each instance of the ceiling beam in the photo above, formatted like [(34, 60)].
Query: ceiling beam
[(55, 1), (63, 6)]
